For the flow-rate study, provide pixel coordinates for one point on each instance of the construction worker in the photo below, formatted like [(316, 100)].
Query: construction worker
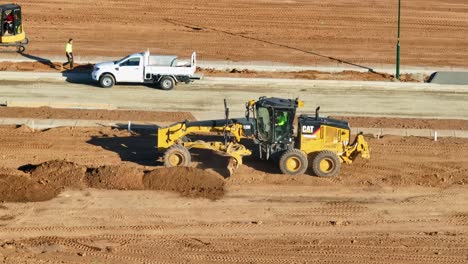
[(281, 127), (8, 24), (69, 53), (282, 119)]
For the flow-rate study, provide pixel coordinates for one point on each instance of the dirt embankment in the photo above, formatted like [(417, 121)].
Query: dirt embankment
[(85, 114), (33, 183), (410, 123), (313, 75)]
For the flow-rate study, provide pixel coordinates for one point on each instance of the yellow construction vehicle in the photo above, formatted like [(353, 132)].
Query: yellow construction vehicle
[(322, 143), (11, 32)]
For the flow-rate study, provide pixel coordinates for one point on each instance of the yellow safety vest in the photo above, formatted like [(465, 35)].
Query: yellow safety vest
[(69, 48)]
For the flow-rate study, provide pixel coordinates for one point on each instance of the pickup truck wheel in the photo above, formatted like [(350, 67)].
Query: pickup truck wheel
[(167, 83), (106, 81)]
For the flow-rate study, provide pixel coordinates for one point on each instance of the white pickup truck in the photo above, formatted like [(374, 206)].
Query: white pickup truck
[(164, 70)]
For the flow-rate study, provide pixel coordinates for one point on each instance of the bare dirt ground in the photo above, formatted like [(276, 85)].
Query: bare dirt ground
[(299, 32), (61, 113), (406, 205)]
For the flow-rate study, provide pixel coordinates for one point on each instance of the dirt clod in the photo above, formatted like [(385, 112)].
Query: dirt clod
[(186, 181)]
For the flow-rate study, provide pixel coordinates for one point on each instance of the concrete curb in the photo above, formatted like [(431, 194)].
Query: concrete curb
[(41, 124)]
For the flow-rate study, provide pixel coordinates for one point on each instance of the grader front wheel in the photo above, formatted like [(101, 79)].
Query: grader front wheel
[(177, 156)]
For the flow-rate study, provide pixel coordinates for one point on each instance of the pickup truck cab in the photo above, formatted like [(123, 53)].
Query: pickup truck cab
[(165, 70)]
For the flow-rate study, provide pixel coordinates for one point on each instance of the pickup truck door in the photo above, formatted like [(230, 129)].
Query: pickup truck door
[(130, 70)]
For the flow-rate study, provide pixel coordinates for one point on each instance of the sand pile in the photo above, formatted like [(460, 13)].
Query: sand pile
[(33, 183)]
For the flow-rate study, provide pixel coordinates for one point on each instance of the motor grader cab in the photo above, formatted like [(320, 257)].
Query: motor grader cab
[(12, 33), (269, 123)]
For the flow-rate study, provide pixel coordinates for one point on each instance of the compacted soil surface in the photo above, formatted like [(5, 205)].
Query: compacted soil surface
[(91, 114), (99, 195), (360, 33)]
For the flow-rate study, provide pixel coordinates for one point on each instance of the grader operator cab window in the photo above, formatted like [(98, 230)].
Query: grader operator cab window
[(274, 125), (283, 125), (264, 124)]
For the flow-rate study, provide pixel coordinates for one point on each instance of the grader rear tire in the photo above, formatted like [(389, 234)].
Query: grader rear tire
[(177, 156), (326, 164), (293, 162)]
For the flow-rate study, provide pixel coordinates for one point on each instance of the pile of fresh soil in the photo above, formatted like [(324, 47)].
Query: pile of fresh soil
[(61, 174), (308, 75), (123, 177), (33, 183), (187, 181), (16, 188)]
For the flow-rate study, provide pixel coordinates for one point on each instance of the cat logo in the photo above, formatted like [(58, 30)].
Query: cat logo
[(307, 129)]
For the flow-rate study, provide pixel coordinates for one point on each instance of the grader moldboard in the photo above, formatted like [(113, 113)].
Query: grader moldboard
[(269, 122)]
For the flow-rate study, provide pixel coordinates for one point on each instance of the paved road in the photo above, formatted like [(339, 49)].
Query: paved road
[(205, 98)]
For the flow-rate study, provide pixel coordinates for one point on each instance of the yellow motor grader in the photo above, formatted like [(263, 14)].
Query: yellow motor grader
[(11, 28), (320, 143)]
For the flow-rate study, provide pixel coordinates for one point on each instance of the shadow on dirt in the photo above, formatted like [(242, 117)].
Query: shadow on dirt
[(80, 74), (140, 147), (43, 61)]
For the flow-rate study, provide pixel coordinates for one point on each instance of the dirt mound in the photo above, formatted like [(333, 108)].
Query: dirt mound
[(61, 174), (116, 177), (191, 182), (15, 188)]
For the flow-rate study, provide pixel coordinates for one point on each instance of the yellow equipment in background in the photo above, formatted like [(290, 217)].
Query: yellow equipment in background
[(269, 123), (12, 33)]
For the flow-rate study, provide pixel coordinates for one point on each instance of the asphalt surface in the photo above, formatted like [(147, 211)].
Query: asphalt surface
[(205, 98)]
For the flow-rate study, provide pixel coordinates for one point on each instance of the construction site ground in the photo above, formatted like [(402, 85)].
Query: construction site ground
[(101, 195), (97, 195), (352, 33)]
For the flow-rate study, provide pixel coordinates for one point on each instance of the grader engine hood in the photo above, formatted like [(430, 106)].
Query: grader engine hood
[(311, 125)]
